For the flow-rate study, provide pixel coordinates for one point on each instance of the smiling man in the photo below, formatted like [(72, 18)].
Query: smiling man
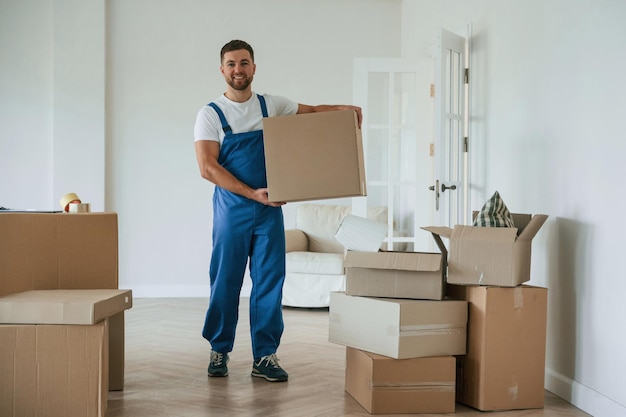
[(246, 226)]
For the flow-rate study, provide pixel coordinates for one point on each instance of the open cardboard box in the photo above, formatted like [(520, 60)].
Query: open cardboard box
[(314, 156), (490, 255)]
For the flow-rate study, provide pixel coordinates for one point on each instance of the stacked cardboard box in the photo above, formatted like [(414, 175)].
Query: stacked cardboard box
[(504, 366), (54, 351), (50, 251), (45, 251), (400, 333)]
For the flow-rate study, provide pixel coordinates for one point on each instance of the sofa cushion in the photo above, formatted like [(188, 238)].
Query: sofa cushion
[(320, 222), (315, 263)]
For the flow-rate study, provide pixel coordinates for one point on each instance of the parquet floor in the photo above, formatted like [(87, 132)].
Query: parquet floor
[(166, 360)]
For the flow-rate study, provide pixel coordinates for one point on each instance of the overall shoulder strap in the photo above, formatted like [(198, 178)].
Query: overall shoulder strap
[(263, 105), (225, 126)]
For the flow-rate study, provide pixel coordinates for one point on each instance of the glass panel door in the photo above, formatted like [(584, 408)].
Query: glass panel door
[(387, 90), (450, 131)]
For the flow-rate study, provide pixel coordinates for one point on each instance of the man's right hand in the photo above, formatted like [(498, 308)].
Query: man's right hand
[(261, 195)]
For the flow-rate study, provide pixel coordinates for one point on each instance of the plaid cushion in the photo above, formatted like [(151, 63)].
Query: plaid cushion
[(494, 213)]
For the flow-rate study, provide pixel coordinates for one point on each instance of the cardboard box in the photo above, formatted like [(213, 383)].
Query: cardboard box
[(53, 370), (63, 306), (314, 156), (398, 328), (359, 234), (395, 274), (47, 251), (490, 255), (504, 366), (401, 386)]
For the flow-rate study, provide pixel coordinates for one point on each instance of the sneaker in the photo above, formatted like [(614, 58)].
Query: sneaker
[(267, 367), (217, 365)]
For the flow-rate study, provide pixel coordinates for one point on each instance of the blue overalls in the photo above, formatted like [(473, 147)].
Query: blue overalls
[(245, 228)]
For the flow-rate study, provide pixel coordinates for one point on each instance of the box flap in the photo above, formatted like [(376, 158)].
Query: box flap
[(442, 231), (532, 227), (438, 232), (404, 261), (520, 220), (493, 234)]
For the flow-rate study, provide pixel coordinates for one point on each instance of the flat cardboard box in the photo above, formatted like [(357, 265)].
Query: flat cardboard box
[(504, 366), (401, 386), (48, 251), (490, 255), (314, 156), (53, 370), (63, 306), (398, 328), (414, 275)]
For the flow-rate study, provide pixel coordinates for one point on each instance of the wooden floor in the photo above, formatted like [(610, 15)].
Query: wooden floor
[(166, 360)]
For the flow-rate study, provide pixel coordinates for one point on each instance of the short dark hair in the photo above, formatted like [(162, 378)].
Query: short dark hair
[(236, 45)]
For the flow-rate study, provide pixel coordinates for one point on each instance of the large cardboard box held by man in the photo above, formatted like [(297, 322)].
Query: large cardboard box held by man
[(54, 370), (504, 366), (395, 274), (490, 255), (398, 328), (314, 156), (384, 385), (47, 251)]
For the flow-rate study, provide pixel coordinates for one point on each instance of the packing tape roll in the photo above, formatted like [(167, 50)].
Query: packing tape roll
[(67, 199), (80, 208)]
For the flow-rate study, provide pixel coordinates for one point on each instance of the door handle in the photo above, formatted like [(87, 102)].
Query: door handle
[(444, 187)]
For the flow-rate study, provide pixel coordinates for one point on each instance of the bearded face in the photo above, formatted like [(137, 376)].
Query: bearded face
[(239, 81), (238, 69)]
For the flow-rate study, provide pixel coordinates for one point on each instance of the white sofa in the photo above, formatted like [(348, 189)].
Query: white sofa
[(314, 257)]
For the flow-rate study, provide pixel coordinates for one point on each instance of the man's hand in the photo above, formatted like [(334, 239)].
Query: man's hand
[(305, 108), (359, 114), (261, 195)]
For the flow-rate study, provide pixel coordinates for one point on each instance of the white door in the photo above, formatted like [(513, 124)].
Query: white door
[(413, 141), (450, 187), (397, 132)]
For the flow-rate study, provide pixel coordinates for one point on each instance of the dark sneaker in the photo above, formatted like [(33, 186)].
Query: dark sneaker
[(267, 367), (217, 365)]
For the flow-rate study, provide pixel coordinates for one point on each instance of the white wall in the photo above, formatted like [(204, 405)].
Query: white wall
[(547, 103), (547, 108), (52, 102)]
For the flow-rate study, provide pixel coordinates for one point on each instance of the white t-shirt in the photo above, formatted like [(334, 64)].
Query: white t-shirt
[(242, 117)]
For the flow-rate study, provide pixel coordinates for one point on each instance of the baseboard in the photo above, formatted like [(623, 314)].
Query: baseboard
[(182, 291), (580, 396)]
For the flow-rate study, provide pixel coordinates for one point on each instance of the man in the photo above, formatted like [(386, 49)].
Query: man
[(229, 148)]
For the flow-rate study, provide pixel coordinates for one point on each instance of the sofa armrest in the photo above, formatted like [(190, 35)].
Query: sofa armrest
[(296, 241)]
